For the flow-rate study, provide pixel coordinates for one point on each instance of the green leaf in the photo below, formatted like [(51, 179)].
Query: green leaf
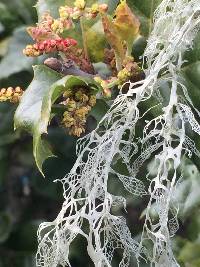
[(190, 77), (26, 234), (20, 10), (96, 41), (102, 69), (28, 115), (14, 61), (144, 9), (99, 110), (34, 111)]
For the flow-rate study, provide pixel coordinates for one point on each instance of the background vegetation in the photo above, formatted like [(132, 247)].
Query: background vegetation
[(27, 198)]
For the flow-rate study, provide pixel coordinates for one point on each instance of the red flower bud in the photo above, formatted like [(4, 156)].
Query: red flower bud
[(49, 46)]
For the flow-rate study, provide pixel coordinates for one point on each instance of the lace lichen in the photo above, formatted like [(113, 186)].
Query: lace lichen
[(86, 195)]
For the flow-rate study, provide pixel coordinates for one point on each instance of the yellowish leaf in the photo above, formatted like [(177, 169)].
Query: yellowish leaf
[(126, 23), (113, 38)]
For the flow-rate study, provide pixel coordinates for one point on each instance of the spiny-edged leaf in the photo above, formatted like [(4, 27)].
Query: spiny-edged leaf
[(126, 23), (29, 112), (14, 61), (55, 91), (34, 111)]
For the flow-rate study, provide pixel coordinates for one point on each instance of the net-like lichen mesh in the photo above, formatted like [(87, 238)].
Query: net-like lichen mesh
[(87, 207)]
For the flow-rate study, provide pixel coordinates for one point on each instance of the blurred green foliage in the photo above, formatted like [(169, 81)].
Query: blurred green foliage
[(26, 197)]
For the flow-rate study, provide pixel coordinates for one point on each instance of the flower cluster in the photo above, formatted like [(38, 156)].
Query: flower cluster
[(43, 30), (49, 46), (80, 10), (131, 71), (11, 94), (50, 28), (68, 14), (78, 102)]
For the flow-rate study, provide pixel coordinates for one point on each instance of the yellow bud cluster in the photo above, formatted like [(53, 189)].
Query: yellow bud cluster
[(65, 12), (92, 100), (68, 93), (131, 71), (57, 26), (61, 24), (123, 76), (78, 102), (30, 51), (79, 96), (80, 4), (11, 94), (68, 120), (95, 8), (80, 10)]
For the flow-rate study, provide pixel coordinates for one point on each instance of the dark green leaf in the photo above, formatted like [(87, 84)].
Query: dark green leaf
[(29, 116), (22, 10), (99, 110), (144, 9)]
